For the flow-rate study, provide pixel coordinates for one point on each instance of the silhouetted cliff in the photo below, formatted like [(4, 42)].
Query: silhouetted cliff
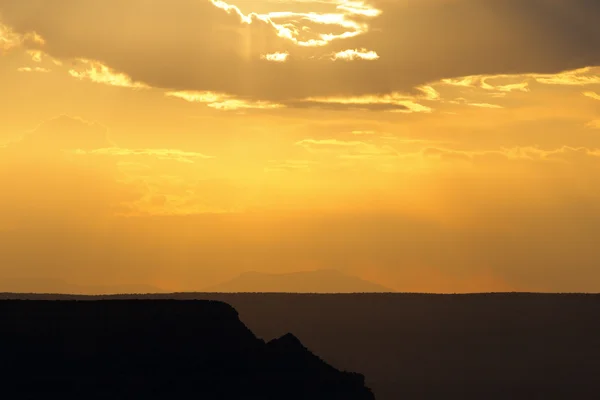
[(425, 346), (156, 350)]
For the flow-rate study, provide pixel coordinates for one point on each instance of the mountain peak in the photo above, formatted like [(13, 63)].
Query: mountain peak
[(288, 341), (318, 281)]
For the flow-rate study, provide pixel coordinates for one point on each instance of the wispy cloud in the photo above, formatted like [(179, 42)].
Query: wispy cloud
[(276, 57), (97, 72), (347, 148), (430, 92), (532, 153), (237, 104), (36, 55), (395, 102), (33, 69), (592, 95), (578, 77), (594, 124), (222, 101), (512, 87), (8, 39), (357, 7), (485, 105), (196, 97), (463, 101), (360, 133), (356, 54), (229, 8), (289, 165), (350, 16), (161, 154)]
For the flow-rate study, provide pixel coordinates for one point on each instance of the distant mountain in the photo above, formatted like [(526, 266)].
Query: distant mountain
[(156, 349), (57, 286), (321, 281)]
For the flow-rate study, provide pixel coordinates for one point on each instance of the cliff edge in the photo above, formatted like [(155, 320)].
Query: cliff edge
[(156, 349)]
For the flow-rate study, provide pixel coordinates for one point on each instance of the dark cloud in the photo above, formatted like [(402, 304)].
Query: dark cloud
[(426, 40), (192, 45)]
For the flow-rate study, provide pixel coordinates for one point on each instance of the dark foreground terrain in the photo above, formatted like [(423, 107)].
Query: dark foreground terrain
[(414, 346), (155, 349), (418, 346)]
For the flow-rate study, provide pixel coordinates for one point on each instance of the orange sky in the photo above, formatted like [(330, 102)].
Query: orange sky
[(431, 145)]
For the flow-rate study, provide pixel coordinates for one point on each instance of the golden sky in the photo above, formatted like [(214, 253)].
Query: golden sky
[(427, 145)]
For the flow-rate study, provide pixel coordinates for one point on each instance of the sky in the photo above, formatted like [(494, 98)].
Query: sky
[(425, 145)]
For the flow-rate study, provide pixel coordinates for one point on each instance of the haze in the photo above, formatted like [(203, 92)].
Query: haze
[(425, 146)]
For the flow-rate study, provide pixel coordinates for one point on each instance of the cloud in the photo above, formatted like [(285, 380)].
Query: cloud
[(578, 77), (359, 133), (484, 82), (232, 9), (341, 104), (8, 39), (68, 168), (350, 55), (485, 105), (297, 26), (463, 101), (508, 88), (160, 154), (430, 92), (329, 143), (36, 55), (100, 73), (39, 181), (237, 104), (62, 133), (347, 148), (33, 69), (170, 49), (275, 166), (197, 97), (412, 141), (592, 95), (276, 57), (565, 154), (395, 102), (594, 124), (222, 102), (355, 7)]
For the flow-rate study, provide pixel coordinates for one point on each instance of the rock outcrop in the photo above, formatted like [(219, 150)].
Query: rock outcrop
[(156, 350)]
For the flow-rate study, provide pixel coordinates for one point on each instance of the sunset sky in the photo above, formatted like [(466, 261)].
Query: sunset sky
[(425, 145)]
